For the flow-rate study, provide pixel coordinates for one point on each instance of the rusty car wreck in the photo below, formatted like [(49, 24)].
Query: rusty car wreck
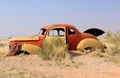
[(76, 40)]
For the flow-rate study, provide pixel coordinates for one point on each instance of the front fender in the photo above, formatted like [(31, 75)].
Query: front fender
[(31, 49)]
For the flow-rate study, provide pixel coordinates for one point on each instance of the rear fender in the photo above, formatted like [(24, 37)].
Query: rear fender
[(89, 42)]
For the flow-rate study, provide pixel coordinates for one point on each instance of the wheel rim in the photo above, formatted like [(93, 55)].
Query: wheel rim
[(88, 50)]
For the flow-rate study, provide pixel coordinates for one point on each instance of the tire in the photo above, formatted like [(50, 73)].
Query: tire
[(22, 52)]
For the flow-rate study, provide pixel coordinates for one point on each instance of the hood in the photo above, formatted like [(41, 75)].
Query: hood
[(24, 38)]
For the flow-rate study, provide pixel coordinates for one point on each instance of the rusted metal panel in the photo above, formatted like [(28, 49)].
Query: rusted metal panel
[(14, 49)]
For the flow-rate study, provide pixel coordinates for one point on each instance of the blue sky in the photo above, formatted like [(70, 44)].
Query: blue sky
[(26, 17)]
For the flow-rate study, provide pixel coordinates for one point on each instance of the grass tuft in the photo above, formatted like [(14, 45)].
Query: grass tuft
[(55, 50), (4, 50), (112, 41)]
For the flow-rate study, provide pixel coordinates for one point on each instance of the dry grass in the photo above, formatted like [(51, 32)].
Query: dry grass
[(14, 72), (112, 41), (55, 51), (18, 67), (4, 48)]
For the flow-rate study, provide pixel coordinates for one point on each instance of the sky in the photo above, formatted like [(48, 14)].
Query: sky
[(26, 17)]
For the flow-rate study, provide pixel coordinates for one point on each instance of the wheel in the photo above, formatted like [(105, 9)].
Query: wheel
[(22, 52), (88, 50)]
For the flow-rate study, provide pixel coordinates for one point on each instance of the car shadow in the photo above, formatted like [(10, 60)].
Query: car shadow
[(74, 54)]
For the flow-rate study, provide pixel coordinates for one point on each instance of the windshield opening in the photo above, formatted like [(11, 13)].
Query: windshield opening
[(42, 31)]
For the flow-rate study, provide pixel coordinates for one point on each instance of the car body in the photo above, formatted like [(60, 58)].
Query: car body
[(69, 34)]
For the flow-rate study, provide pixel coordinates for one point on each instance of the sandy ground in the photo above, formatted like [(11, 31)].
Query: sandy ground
[(32, 66), (89, 67)]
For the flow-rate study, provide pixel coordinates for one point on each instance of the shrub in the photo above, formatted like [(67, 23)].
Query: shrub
[(112, 41), (4, 50), (55, 50), (112, 37)]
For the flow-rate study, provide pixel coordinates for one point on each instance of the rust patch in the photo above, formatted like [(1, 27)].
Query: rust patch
[(14, 49)]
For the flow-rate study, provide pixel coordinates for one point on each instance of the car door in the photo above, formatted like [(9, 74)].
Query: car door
[(58, 33), (72, 38)]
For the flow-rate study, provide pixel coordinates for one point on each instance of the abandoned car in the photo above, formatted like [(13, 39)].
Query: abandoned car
[(86, 41)]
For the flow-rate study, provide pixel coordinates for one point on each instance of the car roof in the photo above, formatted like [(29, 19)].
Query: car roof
[(59, 25)]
